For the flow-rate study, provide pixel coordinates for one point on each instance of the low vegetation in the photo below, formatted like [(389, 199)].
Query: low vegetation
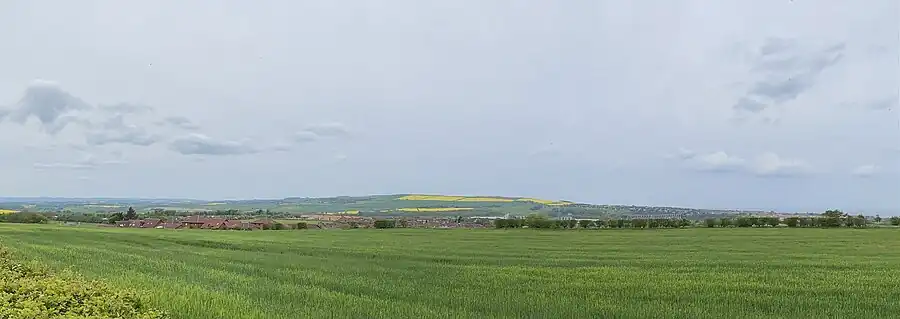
[(23, 218), (29, 291)]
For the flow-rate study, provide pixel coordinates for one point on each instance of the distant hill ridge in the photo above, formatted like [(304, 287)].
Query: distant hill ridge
[(376, 205)]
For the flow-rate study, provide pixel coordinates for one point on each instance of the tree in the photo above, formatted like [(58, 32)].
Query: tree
[(832, 218), (584, 223), (773, 221), (115, 218), (711, 222), (301, 225), (792, 221), (131, 214), (895, 221), (877, 218), (539, 221), (834, 213), (726, 222), (384, 223)]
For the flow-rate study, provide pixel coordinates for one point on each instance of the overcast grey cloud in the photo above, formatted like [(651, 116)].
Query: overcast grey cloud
[(732, 104), (199, 144)]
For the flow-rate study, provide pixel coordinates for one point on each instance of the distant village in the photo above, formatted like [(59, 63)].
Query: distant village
[(313, 221)]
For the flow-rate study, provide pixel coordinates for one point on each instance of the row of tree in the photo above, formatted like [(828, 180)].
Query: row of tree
[(828, 219), (23, 218), (541, 222)]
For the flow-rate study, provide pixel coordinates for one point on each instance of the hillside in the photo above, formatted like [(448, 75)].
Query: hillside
[(375, 205)]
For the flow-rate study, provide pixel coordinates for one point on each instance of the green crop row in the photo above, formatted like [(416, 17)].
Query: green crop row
[(30, 291)]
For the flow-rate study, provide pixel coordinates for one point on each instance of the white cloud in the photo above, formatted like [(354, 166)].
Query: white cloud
[(199, 144), (329, 129), (711, 162), (771, 164), (867, 170)]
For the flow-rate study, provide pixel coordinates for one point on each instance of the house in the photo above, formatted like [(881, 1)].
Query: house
[(240, 225), (150, 223), (171, 225), (263, 223), (193, 222), (214, 223)]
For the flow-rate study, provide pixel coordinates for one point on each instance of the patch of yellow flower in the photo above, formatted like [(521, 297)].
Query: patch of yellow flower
[(445, 198), (214, 204), (486, 199), (431, 197), (544, 201), (7, 211), (433, 209)]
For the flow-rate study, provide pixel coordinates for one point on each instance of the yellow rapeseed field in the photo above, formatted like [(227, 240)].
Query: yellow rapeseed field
[(446, 198), (544, 201), (7, 211), (431, 197), (486, 199), (454, 198), (433, 209)]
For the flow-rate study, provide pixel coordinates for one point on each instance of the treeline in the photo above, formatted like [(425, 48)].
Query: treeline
[(23, 218), (793, 222), (828, 219), (27, 291), (541, 222)]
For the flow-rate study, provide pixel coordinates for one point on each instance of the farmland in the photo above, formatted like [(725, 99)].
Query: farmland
[(373, 205), (407, 273)]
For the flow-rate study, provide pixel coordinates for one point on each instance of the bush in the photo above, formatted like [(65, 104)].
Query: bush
[(301, 225), (23, 218), (726, 222), (539, 221), (385, 223), (895, 221), (31, 292), (507, 223), (710, 222), (792, 221)]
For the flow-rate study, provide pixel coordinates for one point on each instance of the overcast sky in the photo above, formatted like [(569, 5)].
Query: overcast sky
[(771, 104)]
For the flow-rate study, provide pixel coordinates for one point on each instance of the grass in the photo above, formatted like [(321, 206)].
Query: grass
[(406, 273)]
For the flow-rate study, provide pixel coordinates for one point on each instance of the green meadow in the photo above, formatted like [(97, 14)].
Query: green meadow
[(410, 273)]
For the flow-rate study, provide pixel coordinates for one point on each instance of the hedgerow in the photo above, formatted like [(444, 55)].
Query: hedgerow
[(30, 291)]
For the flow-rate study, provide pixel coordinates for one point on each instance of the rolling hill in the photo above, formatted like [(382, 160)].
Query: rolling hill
[(375, 205)]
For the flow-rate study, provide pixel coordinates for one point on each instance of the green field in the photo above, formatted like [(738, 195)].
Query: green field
[(407, 273)]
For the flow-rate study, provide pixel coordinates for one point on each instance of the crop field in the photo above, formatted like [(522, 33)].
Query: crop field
[(7, 211), (434, 209), (409, 273)]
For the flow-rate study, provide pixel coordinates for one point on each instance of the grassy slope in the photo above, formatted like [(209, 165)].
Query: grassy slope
[(749, 273)]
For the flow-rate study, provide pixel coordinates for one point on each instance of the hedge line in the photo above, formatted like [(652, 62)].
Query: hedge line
[(30, 291)]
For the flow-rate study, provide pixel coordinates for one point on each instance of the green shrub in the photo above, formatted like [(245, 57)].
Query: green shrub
[(584, 223), (385, 223), (895, 221), (29, 291), (792, 221)]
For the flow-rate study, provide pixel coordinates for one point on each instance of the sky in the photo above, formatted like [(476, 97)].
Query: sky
[(766, 104)]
